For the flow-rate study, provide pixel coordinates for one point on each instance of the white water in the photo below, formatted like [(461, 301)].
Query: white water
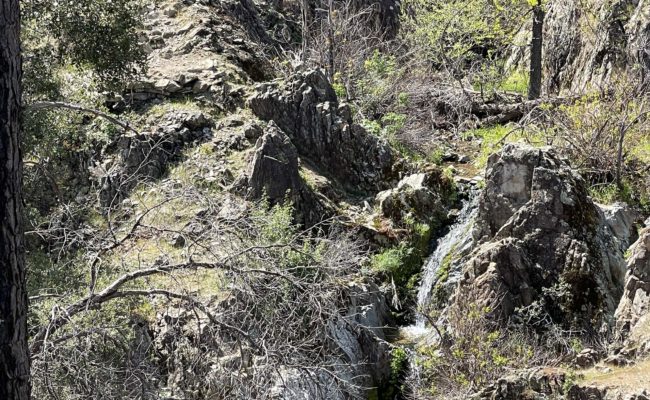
[(458, 233)]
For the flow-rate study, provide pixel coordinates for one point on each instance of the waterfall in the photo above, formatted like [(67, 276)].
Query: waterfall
[(455, 241)]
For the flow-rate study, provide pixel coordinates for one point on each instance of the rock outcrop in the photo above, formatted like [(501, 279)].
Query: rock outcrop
[(307, 110), (542, 244), (364, 355), (422, 196), (273, 173), (146, 156), (587, 43), (357, 356), (553, 384), (633, 313)]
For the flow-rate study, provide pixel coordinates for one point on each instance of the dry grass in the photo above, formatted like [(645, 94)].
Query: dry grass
[(632, 377)]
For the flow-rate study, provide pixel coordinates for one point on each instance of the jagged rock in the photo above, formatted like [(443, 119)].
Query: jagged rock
[(306, 109), (146, 156), (274, 169), (553, 384), (622, 221), (633, 313), (587, 358), (577, 60), (273, 173), (541, 240), (535, 384), (168, 86), (423, 196)]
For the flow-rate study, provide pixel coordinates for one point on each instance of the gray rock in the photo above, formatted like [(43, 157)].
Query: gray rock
[(423, 196), (363, 361), (167, 85), (273, 173), (633, 313), (540, 239), (306, 109), (587, 358), (146, 156)]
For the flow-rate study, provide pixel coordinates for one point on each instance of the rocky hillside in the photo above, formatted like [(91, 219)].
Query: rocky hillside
[(299, 200)]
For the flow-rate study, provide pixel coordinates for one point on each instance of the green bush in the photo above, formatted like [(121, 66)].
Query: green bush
[(101, 35)]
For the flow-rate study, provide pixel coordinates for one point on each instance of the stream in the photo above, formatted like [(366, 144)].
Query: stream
[(457, 239)]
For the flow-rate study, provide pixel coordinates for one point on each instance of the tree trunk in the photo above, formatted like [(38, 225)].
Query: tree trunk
[(535, 82), (14, 355), (619, 157), (330, 40), (306, 20)]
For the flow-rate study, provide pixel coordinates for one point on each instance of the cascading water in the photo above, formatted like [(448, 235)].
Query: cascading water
[(454, 241)]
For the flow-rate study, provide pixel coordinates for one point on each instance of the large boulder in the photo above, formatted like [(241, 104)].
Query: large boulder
[(422, 196), (544, 249), (306, 108), (274, 169), (633, 313), (361, 354)]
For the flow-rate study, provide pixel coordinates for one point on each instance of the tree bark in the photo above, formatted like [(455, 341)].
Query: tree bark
[(535, 81), (14, 354), (306, 20)]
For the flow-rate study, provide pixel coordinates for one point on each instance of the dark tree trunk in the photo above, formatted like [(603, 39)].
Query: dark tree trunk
[(14, 357), (535, 83)]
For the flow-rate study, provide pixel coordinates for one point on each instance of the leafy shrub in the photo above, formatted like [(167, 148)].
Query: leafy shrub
[(100, 34), (461, 35), (476, 350)]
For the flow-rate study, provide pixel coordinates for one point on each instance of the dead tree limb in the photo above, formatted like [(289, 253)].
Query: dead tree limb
[(45, 105)]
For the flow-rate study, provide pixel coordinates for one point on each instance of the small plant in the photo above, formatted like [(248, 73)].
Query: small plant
[(398, 364)]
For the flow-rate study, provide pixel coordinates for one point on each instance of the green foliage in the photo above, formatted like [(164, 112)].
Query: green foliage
[(576, 345), (275, 227), (388, 127), (380, 65), (494, 137), (570, 379), (495, 79), (339, 87), (398, 365), (436, 156), (516, 82), (392, 123), (101, 35), (491, 141), (478, 351), (403, 261), (395, 262), (374, 87), (610, 193), (459, 33), (589, 131)]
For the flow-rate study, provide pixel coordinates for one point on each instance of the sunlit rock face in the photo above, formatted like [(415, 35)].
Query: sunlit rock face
[(544, 249)]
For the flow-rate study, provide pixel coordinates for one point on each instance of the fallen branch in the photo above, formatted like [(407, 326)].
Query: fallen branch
[(44, 105)]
